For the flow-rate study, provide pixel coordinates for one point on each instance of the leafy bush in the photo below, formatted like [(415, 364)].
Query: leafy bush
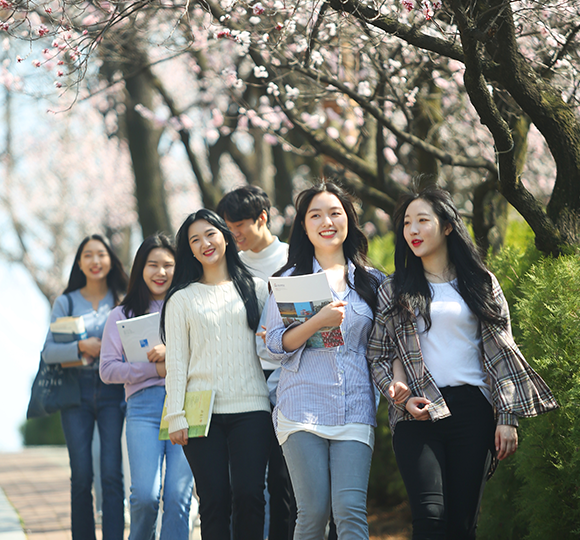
[(41, 431), (535, 493)]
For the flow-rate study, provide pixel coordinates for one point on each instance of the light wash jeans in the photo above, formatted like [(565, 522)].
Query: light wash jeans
[(327, 472), (146, 454)]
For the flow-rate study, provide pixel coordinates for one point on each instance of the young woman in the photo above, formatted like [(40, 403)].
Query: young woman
[(150, 280), (325, 408), (209, 319), (96, 283), (443, 314)]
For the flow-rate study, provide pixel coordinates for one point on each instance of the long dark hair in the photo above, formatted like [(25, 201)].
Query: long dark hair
[(355, 246), (116, 278), (412, 292), (189, 270), (138, 296)]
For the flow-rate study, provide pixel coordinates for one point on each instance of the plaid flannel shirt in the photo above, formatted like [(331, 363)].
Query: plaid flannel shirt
[(516, 389)]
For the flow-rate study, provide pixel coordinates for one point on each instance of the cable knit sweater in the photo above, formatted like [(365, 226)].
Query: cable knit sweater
[(211, 347)]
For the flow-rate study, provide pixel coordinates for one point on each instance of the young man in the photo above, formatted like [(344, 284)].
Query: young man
[(246, 211)]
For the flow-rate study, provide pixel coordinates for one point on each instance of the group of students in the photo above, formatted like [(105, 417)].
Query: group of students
[(434, 338)]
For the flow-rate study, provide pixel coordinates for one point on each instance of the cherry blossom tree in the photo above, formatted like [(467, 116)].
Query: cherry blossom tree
[(484, 95)]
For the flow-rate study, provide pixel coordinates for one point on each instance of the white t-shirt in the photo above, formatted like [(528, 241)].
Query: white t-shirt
[(452, 347), (262, 265)]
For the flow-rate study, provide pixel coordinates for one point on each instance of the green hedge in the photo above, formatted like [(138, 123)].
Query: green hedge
[(535, 494)]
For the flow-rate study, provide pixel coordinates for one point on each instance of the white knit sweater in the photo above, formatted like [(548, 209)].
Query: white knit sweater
[(211, 347)]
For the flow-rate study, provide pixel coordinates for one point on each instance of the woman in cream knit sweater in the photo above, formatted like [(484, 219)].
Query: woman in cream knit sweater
[(208, 322)]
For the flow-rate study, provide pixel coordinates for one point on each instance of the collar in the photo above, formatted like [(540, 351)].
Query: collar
[(351, 268)]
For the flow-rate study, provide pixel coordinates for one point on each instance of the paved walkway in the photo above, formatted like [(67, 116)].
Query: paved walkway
[(35, 495)]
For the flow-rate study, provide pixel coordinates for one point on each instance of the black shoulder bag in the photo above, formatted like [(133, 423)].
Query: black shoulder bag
[(54, 387)]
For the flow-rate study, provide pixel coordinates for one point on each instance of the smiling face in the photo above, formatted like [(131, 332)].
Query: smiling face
[(158, 272), (207, 243), (94, 261), (251, 235), (326, 223), (424, 232)]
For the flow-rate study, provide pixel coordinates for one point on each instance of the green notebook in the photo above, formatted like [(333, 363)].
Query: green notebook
[(198, 408)]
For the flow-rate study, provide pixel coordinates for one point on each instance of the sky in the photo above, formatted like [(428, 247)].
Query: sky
[(24, 318)]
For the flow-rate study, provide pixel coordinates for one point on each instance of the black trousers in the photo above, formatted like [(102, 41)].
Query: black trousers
[(229, 467), (444, 465)]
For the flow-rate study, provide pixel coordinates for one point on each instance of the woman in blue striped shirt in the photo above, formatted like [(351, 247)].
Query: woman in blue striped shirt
[(326, 406)]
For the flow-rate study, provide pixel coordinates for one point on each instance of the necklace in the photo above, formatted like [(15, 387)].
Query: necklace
[(447, 275)]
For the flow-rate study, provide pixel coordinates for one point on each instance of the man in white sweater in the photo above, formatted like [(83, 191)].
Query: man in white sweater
[(246, 211)]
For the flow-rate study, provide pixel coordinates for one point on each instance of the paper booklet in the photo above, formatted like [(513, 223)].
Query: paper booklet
[(67, 329), (139, 335), (299, 298), (198, 408)]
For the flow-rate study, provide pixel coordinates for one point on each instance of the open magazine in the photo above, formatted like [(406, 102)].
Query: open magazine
[(299, 298)]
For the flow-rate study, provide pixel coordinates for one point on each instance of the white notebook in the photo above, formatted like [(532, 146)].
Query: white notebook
[(139, 335)]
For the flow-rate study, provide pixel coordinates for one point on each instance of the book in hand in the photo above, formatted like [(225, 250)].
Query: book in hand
[(68, 329), (139, 335), (198, 407), (301, 297)]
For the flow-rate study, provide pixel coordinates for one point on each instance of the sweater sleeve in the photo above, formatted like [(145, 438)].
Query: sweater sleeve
[(59, 353), (177, 355), (113, 368)]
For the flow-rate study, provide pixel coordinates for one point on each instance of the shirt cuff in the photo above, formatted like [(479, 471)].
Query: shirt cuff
[(177, 423), (507, 419)]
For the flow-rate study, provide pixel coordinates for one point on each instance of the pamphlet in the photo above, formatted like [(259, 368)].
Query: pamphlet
[(139, 335), (198, 407), (67, 329), (301, 297)]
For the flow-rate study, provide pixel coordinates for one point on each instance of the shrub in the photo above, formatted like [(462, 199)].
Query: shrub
[(535, 493), (41, 431)]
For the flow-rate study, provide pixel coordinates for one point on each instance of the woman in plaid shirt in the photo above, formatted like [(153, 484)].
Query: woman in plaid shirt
[(465, 382)]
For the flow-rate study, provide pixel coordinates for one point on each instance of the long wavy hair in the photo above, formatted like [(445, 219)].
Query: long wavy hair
[(138, 298), (116, 278), (189, 270), (355, 246), (412, 293)]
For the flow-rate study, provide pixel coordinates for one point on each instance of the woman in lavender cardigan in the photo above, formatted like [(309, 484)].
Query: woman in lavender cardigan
[(150, 279)]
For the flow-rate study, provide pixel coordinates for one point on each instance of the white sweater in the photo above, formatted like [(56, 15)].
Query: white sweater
[(264, 263), (211, 347)]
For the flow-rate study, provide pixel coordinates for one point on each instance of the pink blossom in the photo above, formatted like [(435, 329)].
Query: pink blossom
[(45, 51), (437, 4), (48, 10), (224, 34), (58, 84), (19, 59), (279, 26), (258, 9), (60, 62), (332, 132), (85, 32), (59, 73), (408, 5), (42, 30), (5, 26), (36, 63), (5, 5)]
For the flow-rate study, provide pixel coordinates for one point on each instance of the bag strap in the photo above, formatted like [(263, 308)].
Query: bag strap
[(70, 304)]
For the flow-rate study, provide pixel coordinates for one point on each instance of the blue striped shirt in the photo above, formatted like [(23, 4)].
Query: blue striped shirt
[(333, 386)]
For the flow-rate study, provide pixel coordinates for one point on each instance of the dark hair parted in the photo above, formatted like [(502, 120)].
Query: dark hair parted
[(412, 293), (116, 278), (189, 270), (355, 246), (246, 202), (138, 298)]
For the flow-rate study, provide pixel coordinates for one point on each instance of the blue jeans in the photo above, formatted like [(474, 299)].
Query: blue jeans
[(326, 472), (229, 466), (102, 403), (146, 455)]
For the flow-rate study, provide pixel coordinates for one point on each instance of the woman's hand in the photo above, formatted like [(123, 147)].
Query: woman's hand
[(331, 314), (417, 407), (179, 437), (160, 367), (399, 392), (157, 354), (506, 441), (90, 346), (262, 334)]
